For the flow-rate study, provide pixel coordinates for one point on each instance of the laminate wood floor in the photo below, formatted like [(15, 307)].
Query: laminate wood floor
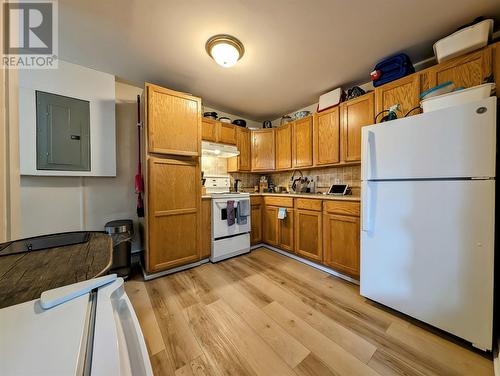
[(267, 314)]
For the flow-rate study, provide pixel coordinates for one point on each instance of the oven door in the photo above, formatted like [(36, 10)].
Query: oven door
[(220, 229)]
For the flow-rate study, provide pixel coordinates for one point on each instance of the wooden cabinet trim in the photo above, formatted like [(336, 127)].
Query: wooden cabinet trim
[(286, 202), (308, 204), (342, 207)]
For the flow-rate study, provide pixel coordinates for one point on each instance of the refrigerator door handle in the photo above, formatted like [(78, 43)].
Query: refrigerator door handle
[(366, 159), (366, 200)]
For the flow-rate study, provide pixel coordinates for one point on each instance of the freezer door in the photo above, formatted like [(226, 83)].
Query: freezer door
[(427, 251), (451, 143)]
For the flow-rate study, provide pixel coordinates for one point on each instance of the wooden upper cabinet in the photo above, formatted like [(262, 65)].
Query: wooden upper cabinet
[(208, 130), (284, 147), (244, 146), (217, 131), (464, 71), (327, 137), (263, 150), (355, 114), (227, 133), (173, 213), (302, 142), (173, 122), (405, 91)]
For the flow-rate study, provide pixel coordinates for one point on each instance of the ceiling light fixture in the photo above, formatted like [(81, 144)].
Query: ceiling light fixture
[(225, 49)]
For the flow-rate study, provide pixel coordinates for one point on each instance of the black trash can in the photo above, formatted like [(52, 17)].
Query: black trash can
[(122, 232)]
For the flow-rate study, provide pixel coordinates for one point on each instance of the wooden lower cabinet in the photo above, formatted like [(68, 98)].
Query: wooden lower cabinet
[(341, 243), (173, 213), (286, 231), (256, 220), (270, 225), (206, 228), (324, 231), (308, 234)]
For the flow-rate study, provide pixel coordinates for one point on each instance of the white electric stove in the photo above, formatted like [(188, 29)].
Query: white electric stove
[(228, 239)]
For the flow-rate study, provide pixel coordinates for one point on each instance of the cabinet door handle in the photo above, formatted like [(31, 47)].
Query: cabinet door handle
[(75, 137)]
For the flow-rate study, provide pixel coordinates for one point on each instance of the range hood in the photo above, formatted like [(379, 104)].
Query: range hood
[(218, 150)]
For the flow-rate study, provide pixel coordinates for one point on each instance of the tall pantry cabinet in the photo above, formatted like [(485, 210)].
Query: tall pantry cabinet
[(173, 178)]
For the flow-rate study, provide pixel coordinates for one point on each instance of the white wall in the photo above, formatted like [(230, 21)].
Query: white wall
[(56, 204), (77, 82)]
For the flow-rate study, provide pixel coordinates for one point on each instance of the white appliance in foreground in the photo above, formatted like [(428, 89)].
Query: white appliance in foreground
[(84, 330), (428, 210), (229, 240)]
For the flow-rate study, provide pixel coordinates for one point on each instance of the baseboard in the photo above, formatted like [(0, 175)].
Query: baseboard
[(307, 262), (148, 277)]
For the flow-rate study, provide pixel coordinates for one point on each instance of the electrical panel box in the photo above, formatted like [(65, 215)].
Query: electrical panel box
[(62, 133)]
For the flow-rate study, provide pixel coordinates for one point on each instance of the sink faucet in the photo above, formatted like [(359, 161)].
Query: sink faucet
[(293, 182)]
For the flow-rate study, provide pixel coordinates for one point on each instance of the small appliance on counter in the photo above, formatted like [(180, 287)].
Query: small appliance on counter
[(339, 190), (237, 185)]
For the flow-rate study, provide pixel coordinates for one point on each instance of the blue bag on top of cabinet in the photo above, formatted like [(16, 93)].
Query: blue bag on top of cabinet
[(391, 69)]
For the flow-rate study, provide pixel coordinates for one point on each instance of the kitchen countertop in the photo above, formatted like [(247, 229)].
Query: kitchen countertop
[(24, 276), (319, 196)]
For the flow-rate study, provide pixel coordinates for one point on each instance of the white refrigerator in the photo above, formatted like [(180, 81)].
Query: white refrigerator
[(428, 211)]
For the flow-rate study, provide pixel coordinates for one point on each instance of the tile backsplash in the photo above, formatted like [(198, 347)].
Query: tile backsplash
[(213, 166), (324, 178)]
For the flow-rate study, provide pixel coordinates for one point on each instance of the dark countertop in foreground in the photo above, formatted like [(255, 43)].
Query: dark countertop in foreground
[(24, 276), (305, 195)]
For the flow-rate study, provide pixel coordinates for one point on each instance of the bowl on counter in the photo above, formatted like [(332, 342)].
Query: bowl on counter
[(225, 119)]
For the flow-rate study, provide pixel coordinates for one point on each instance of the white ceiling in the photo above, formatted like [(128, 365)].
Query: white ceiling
[(295, 50)]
